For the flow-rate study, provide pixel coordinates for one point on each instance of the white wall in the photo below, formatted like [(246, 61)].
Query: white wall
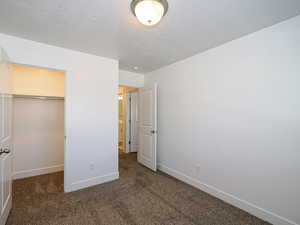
[(229, 121), (130, 79), (90, 107), (38, 131)]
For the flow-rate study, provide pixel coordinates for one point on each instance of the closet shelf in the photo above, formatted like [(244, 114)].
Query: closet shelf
[(39, 97)]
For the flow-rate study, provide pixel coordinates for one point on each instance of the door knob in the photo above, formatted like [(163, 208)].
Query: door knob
[(153, 131), (6, 150)]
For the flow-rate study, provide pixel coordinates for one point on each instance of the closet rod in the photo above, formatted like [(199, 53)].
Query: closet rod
[(39, 97)]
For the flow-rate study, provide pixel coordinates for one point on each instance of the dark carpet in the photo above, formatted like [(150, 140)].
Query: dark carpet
[(139, 197)]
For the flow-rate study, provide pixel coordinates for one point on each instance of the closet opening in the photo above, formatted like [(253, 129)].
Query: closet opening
[(38, 122), (128, 122)]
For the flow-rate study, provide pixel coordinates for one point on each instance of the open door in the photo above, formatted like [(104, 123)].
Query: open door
[(5, 139), (148, 127)]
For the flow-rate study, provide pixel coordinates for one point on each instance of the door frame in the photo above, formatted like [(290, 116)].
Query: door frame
[(6, 139), (6, 163)]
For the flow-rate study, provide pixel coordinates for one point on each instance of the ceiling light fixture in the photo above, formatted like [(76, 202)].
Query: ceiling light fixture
[(149, 12)]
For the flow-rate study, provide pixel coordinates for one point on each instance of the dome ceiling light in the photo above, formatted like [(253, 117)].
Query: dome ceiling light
[(149, 12)]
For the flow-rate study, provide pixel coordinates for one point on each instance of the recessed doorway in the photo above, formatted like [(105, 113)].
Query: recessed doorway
[(38, 120)]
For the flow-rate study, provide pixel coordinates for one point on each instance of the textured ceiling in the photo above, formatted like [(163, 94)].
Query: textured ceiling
[(107, 27)]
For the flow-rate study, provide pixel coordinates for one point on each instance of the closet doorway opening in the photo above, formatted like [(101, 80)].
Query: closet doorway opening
[(38, 121), (128, 122)]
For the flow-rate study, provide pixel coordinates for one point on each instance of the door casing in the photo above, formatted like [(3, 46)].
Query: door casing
[(6, 150)]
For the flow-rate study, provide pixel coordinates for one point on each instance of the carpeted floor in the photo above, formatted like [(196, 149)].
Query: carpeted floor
[(139, 197)]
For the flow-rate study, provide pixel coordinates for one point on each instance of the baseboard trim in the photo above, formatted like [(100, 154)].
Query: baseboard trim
[(231, 199), (91, 182), (36, 172)]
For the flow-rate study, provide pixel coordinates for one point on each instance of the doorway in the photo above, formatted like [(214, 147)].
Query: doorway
[(138, 124), (128, 120), (38, 120)]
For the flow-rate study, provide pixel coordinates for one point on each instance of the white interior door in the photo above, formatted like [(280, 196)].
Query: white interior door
[(5, 140), (148, 127)]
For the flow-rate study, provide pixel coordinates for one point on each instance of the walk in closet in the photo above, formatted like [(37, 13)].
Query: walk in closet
[(38, 120)]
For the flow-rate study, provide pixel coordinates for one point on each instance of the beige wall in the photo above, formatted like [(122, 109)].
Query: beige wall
[(121, 120), (36, 81), (122, 116)]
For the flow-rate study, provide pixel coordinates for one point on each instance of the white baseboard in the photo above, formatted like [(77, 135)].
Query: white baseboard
[(91, 182), (233, 200), (38, 171)]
